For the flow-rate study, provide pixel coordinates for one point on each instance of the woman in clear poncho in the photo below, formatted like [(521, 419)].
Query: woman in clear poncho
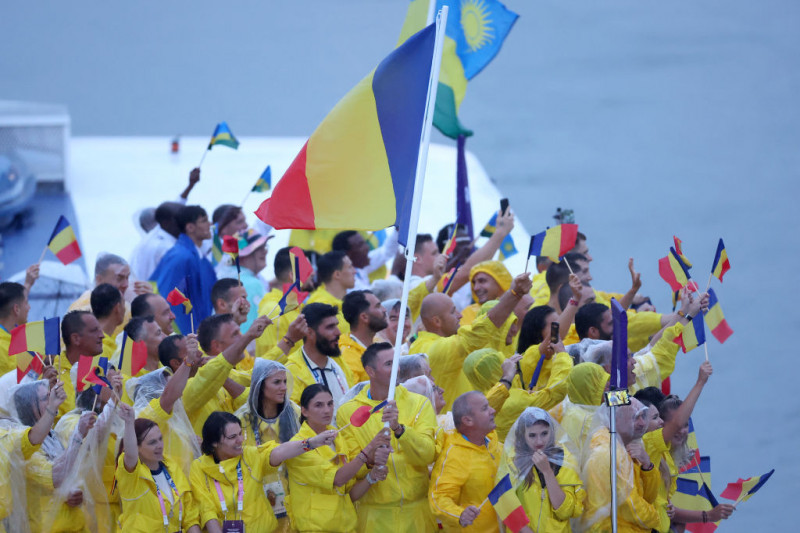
[(637, 477), (586, 384), (543, 468), (269, 415), (18, 443), (55, 489)]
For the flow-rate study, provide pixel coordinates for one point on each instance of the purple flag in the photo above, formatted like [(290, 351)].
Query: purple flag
[(463, 204), (619, 350)]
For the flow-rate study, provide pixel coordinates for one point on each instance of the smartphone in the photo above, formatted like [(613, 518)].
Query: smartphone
[(503, 206), (554, 333)]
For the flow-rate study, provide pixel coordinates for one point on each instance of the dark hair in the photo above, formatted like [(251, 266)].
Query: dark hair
[(329, 263), (422, 238), (667, 405), (315, 313), (10, 294), (530, 333), (168, 349), (135, 327), (341, 242), (209, 328), (651, 395), (353, 305), (308, 394), (141, 426), (556, 276), (574, 257), (103, 299), (72, 323), (221, 288), (444, 235), (165, 213), (371, 353), (189, 214), (140, 306), (225, 214), (283, 262), (85, 400), (589, 316), (214, 429)]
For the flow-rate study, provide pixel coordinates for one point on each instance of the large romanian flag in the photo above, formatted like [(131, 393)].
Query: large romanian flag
[(43, 337), (475, 32), (63, 242), (366, 148)]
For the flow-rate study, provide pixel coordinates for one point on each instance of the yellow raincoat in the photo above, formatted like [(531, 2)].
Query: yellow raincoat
[(585, 386), (352, 350), (462, 476), (7, 364), (205, 394), (552, 381), (14, 444), (303, 377), (256, 510), (495, 270), (141, 510), (321, 295), (536, 502), (69, 385), (269, 339), (83, 303), (41, 492), (657, 364), (637, 513), (399, 502), (446, 355), (659, 452), (316, 504)]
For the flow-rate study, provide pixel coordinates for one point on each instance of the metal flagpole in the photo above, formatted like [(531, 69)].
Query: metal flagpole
[(419, 182), (613, 431)]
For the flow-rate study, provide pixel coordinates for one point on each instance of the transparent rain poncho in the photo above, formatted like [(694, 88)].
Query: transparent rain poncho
[(631, 423), (423, 386), (585, 386), (179, 437), (517, 460), (287, 421), (13, 499)]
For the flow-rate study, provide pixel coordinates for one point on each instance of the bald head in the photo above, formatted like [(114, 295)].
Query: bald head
[(439, 314)]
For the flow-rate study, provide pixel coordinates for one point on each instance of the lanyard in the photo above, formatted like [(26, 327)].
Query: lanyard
[(536, 373), (161, 498), (321, 373), (240, 492)]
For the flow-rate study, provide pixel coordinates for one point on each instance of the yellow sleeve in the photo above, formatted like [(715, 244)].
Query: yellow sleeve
[(276, 354), (636, 509), (191, 509), (28, 448), (201, 493), (311, 469), (497, 396), (556, 389), (264, 451), (415, 297), (572, 506), (449, 475), (154, 412), (642, 326), (666, 349), (204, 386), (417, 441), (39, 470)]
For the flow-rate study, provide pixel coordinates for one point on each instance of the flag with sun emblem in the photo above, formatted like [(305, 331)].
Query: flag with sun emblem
[(475, 32)]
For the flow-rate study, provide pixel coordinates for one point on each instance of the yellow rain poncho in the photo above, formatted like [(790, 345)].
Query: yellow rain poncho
[(498, 272)]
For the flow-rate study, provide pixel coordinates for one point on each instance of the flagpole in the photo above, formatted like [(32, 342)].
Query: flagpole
[(431, 13), (709, 281), (246, 196), (705, 345), (419, 183), (568, 265), (41, 258), (613, 430), (204, 157)]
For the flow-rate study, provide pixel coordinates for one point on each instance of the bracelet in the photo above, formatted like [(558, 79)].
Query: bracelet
[(681, 314), (363, 456), (504, 380), (306, 445), (573, 301), (705, 516), (515, 293), (288, 341), (370, 480), (688, 317), (187, 363), (652, 466), (402, 429)]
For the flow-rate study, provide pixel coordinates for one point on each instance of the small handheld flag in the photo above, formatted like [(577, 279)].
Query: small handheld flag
[(741, 490), (230, 246), (176, 297), (27, 361), (716, 319), (223, 136), (692, 336), (721, 264), (448, 278), (132, 357), (362, 414), (450, 247), (63, 242), (679, 249), (507, 506), (554, 242), (264, 182), (43, 336), (292, 297), (507, 247), (85, 367), (375, 239), (673, 270), (301, 267)]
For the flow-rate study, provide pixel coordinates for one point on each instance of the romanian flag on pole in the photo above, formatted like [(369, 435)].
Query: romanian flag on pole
[(27, 361), (132, 356), (292, 297), (223, 136), (43, 336), (554, 242), (301, 266), (507, 505), (475, 32), (63, 242), (264, 182), (177, 297), (721, 263), (679, 250), (742, 489), (367, 147), (450, 247), (693, 335), (448, 278), (715, 319), (673, 270)]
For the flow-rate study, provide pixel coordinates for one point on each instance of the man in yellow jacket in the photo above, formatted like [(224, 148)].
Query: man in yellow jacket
[(489, 280), (108, 307), (448, 345), (465, 470), (336, 274), (82, 335), (14, 309), (366, 317), (399, 502)]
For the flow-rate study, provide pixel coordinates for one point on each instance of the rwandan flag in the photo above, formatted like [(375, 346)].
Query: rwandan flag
[(692, 336), (673, 270), (742, 489), (43, 336), (63, 242), (507, 247), (223, 135), (506, 504), (554, 242), (264, 182), (376, 239), (715, 319), (475, 32), (367, 147), (721, 263)]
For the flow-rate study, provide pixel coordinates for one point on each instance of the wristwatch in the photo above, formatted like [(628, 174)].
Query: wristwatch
[(402, 429)]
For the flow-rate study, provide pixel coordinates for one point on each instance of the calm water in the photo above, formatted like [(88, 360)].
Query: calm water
[(648, 119)]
